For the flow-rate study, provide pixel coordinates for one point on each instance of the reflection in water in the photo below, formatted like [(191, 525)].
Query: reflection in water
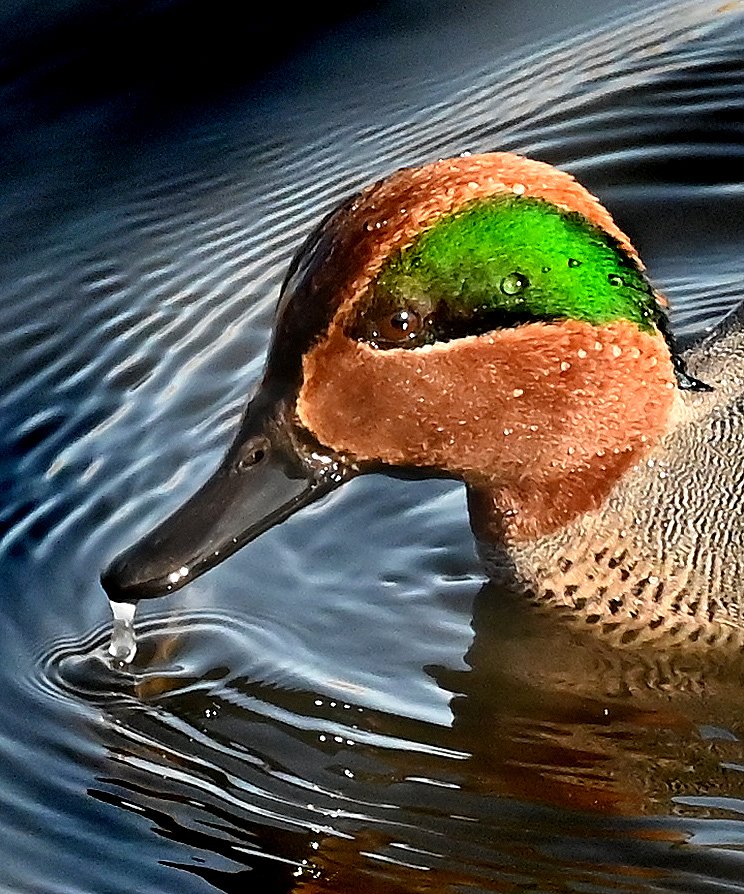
[(557, 747), (320, 713)]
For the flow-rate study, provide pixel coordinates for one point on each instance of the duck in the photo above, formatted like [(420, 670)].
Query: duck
[(484, 318)]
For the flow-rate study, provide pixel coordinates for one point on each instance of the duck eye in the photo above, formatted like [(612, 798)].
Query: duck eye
[(399, 327)]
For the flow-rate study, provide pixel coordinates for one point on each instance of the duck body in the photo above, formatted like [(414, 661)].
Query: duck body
[(663, 557), (484, 317)]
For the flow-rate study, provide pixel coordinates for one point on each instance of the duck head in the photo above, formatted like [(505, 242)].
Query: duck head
[(480, 317)]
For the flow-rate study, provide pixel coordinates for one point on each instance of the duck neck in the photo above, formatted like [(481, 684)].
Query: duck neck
[(596, 415), (534, 506)]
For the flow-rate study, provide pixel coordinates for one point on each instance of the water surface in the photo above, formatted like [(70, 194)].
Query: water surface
[(345, 704)]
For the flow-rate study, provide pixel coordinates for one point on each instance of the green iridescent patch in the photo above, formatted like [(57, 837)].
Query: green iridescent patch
[(510, 259)]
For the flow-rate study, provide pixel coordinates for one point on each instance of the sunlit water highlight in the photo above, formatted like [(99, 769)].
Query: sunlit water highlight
[(344, 705)]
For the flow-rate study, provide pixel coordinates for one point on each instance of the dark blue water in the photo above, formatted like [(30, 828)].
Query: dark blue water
[(345, 704)]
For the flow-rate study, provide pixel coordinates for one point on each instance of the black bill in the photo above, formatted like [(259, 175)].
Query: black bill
[(269, 473)]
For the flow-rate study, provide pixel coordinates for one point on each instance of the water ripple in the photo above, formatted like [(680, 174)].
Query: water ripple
[(318, 710)]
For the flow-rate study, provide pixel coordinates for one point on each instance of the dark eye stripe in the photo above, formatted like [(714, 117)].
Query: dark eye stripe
[(439, 326), (450, 328)]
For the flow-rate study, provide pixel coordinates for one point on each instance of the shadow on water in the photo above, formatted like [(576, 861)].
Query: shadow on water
[(344, 705)]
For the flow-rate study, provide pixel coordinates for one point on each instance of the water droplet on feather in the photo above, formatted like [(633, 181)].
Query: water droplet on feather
[(514, 283)]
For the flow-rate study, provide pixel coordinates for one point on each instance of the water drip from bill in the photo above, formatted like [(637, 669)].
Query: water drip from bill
[(123, 645)]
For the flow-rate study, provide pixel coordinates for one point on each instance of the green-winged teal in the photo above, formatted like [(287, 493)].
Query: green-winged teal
[(483, 317)]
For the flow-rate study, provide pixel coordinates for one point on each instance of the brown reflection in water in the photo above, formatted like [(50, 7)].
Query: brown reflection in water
[(580, 737), (552, 714)]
